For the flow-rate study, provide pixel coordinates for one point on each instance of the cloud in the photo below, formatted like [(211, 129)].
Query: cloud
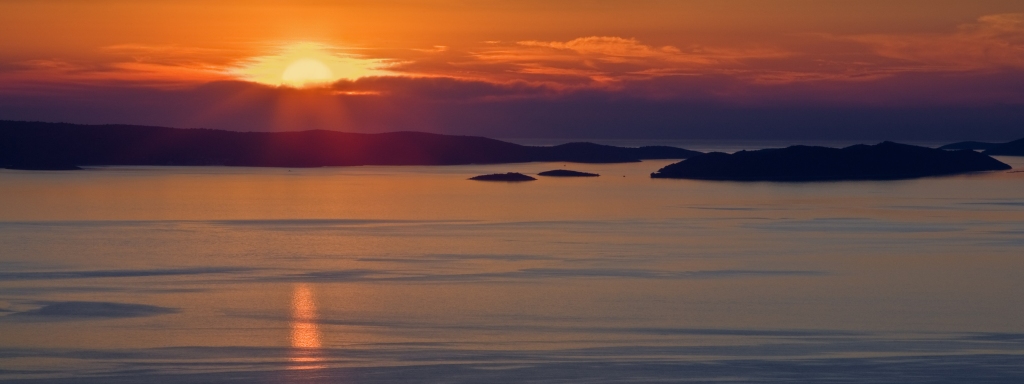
[(891, 86), (444, 88), (609, 59), (612, 49), (169, 54), (904, 107), (177, 67), (993, 42), (607, 47), (434, 49), (807, 67), (54, 76)]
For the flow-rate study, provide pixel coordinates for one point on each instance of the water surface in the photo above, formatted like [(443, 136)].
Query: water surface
[(415, 274)]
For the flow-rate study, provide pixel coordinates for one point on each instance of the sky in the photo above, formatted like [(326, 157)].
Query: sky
[(721, 69)]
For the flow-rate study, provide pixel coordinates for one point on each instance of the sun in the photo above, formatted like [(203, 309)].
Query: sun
[(308, 65), (305, 72)]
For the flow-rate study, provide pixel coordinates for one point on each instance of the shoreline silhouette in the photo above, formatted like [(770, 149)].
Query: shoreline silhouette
[(60, 146)]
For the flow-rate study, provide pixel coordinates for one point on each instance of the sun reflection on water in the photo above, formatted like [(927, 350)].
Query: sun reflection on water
[(305, 337)]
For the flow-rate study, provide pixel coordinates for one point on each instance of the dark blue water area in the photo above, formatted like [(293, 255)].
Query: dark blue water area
[(605, 365)]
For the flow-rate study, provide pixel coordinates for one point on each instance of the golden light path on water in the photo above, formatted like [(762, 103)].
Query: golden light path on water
[(305, 335)]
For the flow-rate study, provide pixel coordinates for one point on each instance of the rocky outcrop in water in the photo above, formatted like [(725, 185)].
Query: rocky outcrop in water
[(511, 176), (567, 173)]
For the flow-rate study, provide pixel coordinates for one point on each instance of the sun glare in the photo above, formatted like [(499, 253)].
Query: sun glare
[(305, 72), (306, 65)]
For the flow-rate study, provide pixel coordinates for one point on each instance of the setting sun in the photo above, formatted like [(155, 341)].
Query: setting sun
[(304, 65), (306, 71)]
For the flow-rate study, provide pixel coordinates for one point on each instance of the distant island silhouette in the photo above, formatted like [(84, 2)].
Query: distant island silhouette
[(885, 161), (35, 145), (971, 145), (567, 173), (1013, 148), (41, 166), (511, 176)]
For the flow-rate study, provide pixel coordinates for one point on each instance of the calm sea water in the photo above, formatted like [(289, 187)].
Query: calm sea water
[(415, 274)]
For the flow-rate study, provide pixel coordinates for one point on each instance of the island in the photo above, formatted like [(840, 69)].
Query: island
[(971, 145), (510, 177), (35, 145), (41, 166), (567, 173), (885, 161), (1013, 148)]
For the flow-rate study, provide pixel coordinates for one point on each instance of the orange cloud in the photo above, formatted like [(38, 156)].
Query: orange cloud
[(43, 75), (605, 60), (994, 42), (607, 47), (622, 50), (832, 62)]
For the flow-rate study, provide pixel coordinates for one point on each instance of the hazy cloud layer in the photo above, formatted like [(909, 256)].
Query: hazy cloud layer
[(499, 111), (961, 83), (993, 43)]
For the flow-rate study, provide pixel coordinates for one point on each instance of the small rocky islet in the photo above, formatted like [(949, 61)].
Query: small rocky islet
[(507, 177), (567, 173)]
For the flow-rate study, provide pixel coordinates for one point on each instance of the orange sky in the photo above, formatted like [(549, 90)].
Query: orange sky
[(741, 52)]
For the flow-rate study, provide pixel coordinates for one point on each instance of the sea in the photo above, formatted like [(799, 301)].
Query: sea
[(417, 275)]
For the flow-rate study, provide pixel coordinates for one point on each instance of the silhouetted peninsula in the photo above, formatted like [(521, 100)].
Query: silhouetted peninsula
[(511, 176), (567, 173), (39, 145), (885, 161)]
